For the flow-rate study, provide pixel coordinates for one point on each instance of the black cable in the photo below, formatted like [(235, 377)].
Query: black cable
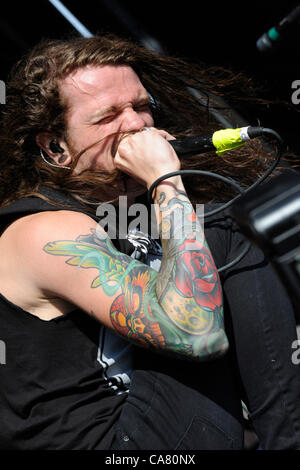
[(277, 157), (193, 172), (214, 175), (237, 259), (230, 181), (265, 130)]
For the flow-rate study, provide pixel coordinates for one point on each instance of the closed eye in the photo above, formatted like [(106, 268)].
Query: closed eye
[(105, 120), (141, 107)]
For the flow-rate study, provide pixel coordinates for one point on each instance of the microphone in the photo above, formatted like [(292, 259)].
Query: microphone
[(220, 141), (268, 40)]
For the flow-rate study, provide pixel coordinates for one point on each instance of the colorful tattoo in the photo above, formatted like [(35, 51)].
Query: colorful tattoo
[(131, 312), (179, 309), (188, 287)]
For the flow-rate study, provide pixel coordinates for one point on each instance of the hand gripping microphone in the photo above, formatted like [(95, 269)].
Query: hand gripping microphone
[(220, 141)]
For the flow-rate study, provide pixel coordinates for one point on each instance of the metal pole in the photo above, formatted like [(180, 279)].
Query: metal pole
[(71, 18)]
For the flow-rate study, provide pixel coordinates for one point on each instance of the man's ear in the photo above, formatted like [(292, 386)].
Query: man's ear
[(56, 149)]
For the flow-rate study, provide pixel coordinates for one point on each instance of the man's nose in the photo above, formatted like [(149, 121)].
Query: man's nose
[(132, 120)]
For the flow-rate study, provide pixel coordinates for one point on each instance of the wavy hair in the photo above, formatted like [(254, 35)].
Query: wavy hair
[(33, 105)]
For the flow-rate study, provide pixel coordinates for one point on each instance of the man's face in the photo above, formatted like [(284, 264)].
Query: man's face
[(102, 100)]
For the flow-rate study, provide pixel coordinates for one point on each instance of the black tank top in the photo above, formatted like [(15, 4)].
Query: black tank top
[(56, 391), (63, 382)]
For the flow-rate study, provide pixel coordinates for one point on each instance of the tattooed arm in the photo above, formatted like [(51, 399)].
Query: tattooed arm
[(188, 286), (179, 309), (176, 311)]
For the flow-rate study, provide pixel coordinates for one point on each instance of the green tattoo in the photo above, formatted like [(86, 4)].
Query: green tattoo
[(179, 309)]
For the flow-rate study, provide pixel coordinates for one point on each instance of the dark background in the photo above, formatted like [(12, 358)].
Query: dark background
[(218, 33)]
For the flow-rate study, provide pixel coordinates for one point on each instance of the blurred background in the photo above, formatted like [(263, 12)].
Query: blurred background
[(214, 32)]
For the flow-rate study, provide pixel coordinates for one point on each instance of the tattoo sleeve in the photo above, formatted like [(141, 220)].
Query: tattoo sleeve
[(177, 311), (188, 286)]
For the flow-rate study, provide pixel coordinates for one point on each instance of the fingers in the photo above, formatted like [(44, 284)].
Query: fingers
[(161, 132), (146, 155)]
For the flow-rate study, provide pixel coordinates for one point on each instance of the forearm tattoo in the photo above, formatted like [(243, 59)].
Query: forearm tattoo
[(179, 309), (188, 285)]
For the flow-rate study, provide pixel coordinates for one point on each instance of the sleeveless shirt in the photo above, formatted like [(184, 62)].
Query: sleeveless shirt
[(62, 382)]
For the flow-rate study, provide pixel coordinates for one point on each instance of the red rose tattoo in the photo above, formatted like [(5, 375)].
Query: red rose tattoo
[(196, 275)]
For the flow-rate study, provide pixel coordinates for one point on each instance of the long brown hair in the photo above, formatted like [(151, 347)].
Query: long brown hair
[(33, 105)]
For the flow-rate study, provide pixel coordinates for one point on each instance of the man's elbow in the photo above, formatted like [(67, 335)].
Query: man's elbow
[(198, 348), (210, 346)]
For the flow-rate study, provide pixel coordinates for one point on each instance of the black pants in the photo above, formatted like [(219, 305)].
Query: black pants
[(163, 414), (264, 330), (205, 412)]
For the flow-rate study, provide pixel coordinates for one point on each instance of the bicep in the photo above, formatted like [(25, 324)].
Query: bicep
[(69, 256)]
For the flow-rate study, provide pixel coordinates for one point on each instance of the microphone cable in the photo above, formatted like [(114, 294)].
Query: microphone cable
[(263, 131)]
